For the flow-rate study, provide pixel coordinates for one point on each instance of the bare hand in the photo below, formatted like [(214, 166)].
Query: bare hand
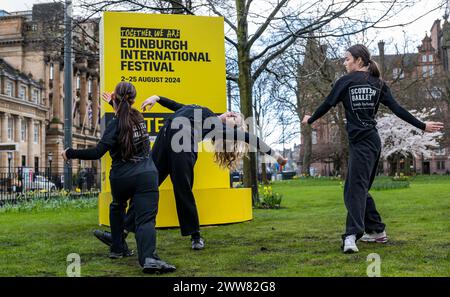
[(433, 126), (149, 102), (281, 160), (64, 155), (305, 119), (107, 97), (229, 114)]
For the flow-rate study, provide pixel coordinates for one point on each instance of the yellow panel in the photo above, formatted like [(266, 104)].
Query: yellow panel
[(215, 206), (188, 81)]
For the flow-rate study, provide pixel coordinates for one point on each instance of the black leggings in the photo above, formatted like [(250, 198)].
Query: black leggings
[(143, 191)]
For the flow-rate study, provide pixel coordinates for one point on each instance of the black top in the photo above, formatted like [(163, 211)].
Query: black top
[(138, 163), (207, 125), (360, 94)]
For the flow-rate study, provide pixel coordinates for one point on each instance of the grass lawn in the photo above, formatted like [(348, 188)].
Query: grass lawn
[(300, 239)]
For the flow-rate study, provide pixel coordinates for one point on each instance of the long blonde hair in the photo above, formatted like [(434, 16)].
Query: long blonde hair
[(227, 152)]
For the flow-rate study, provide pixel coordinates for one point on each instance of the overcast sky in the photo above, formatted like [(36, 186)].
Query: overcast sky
[(415, 31)]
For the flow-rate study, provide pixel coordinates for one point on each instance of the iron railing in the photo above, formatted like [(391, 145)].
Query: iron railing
[(22, 183)]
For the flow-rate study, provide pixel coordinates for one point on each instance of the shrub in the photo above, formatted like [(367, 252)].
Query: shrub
[(390, 185), (269, 198), (400, 177)]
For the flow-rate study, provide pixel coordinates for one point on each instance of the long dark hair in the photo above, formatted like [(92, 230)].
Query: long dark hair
[(361, 51), (124, 95)]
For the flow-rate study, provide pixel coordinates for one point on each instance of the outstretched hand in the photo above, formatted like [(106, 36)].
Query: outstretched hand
[(106, 96), (64, 155), (149, 102), (281, 160), (305, 119), (433, 126)]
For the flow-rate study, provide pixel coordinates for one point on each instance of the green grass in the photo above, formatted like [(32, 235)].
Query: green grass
[(300, 239)]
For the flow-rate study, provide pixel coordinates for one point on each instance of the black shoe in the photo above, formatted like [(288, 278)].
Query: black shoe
[(126, 253), (198, 243), (106, 238), (114, 255), (152, 265), (103, 236)]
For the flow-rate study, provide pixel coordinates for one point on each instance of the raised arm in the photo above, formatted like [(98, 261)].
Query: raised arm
[(320, 112), (108, 140), (388, 100), (332, 99), (163, 101)]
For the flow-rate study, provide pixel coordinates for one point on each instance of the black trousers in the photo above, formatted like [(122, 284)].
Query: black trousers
[(180, 167), (143, 191), (362, 214)]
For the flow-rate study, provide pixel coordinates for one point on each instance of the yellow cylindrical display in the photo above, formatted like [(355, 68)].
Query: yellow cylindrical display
[(182, 58)]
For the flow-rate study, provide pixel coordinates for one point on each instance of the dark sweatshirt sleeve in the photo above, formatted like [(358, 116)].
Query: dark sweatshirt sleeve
[(108, 140), (251, 139), (320, 112), (388, 100), (332, 100), (170, 104)]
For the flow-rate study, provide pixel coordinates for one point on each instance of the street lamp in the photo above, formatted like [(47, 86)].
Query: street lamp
[(9, 169), (50, 159)]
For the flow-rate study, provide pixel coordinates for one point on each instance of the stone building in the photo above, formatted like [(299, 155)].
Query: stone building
[(32, 85)]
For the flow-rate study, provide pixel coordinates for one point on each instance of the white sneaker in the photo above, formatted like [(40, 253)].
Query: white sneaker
[(375, 237), (350, 245)]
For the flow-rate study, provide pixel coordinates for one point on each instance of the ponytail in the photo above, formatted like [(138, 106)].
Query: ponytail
[(125, 129), (125, 93), (374, 70)]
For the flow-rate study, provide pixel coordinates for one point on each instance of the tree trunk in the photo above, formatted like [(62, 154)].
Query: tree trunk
[(264, 174), (307, 148), (245, 93)]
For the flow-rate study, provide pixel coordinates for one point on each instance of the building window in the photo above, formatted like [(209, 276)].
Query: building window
[(424, 71), (90, 86), (10, 128), (78, 82), (32, 27), (23, 130), (398, 73), (314, 137), (431, 70), (24, 160), (424, 58), (35, 96), (22, 92), (436, 93), (440, 165), (440, 151), (36, 164), (430, 58), (9, 89), (52, 69), (36, 133)]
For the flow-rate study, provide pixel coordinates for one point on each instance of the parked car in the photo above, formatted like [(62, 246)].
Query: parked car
[(40, 183), (236, 176), (268, 175)]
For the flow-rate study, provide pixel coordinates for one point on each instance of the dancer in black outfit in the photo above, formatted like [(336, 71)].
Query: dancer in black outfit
[(361, 91), (195, 123), (133, 175)]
